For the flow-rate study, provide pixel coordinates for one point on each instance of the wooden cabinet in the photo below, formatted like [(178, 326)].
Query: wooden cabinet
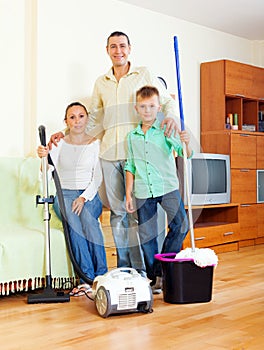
[(260, 223), (243, 186), (214, 226), (229, 87), (260, 152), (243, 150), (243, 79), (248, 221)]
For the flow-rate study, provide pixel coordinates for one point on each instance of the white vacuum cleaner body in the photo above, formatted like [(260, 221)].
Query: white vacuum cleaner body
[(122, 290)]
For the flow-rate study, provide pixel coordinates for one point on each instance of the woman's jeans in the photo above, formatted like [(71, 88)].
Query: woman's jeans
[(87, 240), (148, 228), (124, 225)]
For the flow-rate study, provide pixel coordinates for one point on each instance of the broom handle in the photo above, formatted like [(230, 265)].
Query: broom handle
[(176, 51)]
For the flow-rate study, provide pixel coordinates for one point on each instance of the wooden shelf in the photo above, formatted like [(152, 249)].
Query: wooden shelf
[(230, 87), (233, 87), (214, 225)]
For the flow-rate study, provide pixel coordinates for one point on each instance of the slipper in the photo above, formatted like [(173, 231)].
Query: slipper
[(80, 290)]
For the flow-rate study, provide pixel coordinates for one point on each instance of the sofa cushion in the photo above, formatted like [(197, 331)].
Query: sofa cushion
[(23, 229)]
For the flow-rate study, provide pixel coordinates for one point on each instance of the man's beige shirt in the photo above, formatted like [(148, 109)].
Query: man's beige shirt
[(112, 112)]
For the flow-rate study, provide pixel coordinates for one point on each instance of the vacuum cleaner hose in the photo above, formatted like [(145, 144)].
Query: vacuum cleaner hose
[(65, 225)]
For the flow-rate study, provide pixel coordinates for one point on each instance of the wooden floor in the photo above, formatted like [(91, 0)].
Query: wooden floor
[(234, 319)]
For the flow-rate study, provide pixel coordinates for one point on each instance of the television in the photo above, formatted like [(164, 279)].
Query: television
[(208, 176)]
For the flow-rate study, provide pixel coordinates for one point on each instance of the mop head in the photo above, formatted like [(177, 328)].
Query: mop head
[(201, 256)]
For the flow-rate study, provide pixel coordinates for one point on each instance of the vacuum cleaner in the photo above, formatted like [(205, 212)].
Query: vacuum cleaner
[(48, 295), (122, 290)]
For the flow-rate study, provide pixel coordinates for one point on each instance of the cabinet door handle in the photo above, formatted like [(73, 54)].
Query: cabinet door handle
[(244, 170), (245, 205), (228, 233), (244, 135), (199, 238)]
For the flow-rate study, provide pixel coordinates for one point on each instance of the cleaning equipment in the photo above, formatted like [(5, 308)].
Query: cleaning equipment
[(122, 290), (49, 295), (184, 281)]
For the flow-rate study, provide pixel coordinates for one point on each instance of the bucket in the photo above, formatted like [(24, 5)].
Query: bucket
[(185, 282)]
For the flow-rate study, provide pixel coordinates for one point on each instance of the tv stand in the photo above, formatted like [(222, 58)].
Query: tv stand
[(215, 227)]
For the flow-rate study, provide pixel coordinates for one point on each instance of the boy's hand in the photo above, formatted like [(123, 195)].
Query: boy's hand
[(184, 136), (129, 204), (54, 139)]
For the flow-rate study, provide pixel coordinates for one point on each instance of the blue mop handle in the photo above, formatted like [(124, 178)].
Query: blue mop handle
[(176, 51)]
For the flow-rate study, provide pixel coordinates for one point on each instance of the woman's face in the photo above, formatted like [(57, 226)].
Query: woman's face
[(76, 119)]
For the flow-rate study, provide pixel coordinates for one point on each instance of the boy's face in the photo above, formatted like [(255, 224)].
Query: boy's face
[(148, 108)]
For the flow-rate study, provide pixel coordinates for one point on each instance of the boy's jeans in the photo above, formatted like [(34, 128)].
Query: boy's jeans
[(148, 228)]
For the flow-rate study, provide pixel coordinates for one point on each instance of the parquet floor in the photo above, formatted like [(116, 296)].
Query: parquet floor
[(234, 319)]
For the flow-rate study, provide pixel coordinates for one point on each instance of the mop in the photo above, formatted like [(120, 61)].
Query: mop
[(201, 256), (48, 295), (187, 275)]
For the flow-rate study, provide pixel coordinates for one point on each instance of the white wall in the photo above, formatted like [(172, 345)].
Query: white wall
[(67, 43), (12, 77)]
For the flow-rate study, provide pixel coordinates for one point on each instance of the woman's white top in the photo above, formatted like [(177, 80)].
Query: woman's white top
[(78, 167)]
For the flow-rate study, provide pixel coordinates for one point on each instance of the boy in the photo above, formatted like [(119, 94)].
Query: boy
[(151, 174)]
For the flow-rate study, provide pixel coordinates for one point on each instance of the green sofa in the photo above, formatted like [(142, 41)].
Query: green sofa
[(22, 230)]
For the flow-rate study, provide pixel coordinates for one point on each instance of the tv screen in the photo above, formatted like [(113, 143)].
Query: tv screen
[(208, 179), (208, 176)]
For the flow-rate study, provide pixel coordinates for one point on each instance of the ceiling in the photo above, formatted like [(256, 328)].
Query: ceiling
[(243, 18)]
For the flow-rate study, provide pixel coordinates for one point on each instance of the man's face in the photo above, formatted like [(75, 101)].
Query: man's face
[(118, 50)]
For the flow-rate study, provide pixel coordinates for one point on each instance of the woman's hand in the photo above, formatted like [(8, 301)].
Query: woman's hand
[(77, 205), (42, 151)]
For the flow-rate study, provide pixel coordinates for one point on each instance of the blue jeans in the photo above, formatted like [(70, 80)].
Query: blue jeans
[(124, 225), (148, 228), (87, 240)]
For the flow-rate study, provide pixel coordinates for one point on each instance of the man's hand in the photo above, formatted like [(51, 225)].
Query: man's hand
[(171, 126), (54, 139)]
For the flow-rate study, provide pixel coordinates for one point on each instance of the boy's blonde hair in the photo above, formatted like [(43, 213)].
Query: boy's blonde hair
[(146, 92)]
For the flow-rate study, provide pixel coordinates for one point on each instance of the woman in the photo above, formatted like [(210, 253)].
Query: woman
[(77, 162)]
